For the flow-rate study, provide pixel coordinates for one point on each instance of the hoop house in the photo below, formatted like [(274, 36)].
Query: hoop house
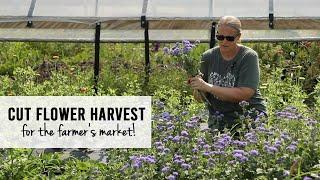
[(155, 21)]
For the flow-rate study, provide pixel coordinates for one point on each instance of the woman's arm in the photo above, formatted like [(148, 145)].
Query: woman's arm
[(234, 94)]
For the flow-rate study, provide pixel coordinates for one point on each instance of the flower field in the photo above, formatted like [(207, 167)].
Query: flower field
[(284, 145)]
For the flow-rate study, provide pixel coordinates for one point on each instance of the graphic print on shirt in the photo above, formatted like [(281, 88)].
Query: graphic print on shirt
[(223, 81)]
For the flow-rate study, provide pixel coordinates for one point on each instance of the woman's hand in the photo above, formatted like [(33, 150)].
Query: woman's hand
[(199, 84)]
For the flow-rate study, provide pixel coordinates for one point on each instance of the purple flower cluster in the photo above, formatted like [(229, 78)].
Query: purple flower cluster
[(270, 149), (165, 169), (193, 122), (173, 176), (292, 147), (240, 155), (159, 104), (254, 152), (222, 142), (251, 137), (138, 161), (290, 113), (285, 136), (180, 48), (166, 116), (177, 159), (239, 143)]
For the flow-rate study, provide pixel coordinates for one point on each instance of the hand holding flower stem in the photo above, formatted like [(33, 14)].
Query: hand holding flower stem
[(181, 53)]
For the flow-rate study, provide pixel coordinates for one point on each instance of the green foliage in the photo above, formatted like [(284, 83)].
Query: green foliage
[(24, 83), (316, 95), (292, 126), (281, 93)]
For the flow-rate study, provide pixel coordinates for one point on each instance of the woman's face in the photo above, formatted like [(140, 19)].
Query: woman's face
[(227, 33)]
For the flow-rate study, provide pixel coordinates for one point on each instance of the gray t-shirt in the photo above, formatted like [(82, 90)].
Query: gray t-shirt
[(241, 71)]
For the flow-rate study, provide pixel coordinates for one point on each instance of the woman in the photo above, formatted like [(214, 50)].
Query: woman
[(230, 75)]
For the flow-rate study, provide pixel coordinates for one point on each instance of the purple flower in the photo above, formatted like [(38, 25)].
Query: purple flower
[(159, 127), (189, 125), (290, 113), (195, 150), (175, 173), (240, 143), (240, 157), (187, 49), (294, 143), (137, 164), (261, 129), (184, 113), (176, 139), (176, 156), (277, 144), (171, 177), (184, 133), (291, 148), (166, 50), (156, 46), (307, 178), (237, 155), (218, 152), (254, 152), (200, 142), (160, 148), (185, 166), (138, 161), (222, 142), (175, 51), (206, 146), (166, 115), (271, 149), (158, 143), (151, 159), (185, 42), (285, 136), (238, 151), (177, 161), (252, 138), (160, 104), (165, 169)]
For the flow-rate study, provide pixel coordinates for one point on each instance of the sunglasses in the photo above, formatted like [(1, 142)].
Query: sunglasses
[(228, 38)]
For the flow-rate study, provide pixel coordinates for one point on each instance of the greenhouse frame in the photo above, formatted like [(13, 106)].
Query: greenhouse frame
[(145, 21)]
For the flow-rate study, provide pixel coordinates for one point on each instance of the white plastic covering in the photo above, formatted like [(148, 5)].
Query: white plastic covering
[(297, 8), (14, 7), (251, 8), (120, 8), (170, 20), (65, 8), (178, 8)]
